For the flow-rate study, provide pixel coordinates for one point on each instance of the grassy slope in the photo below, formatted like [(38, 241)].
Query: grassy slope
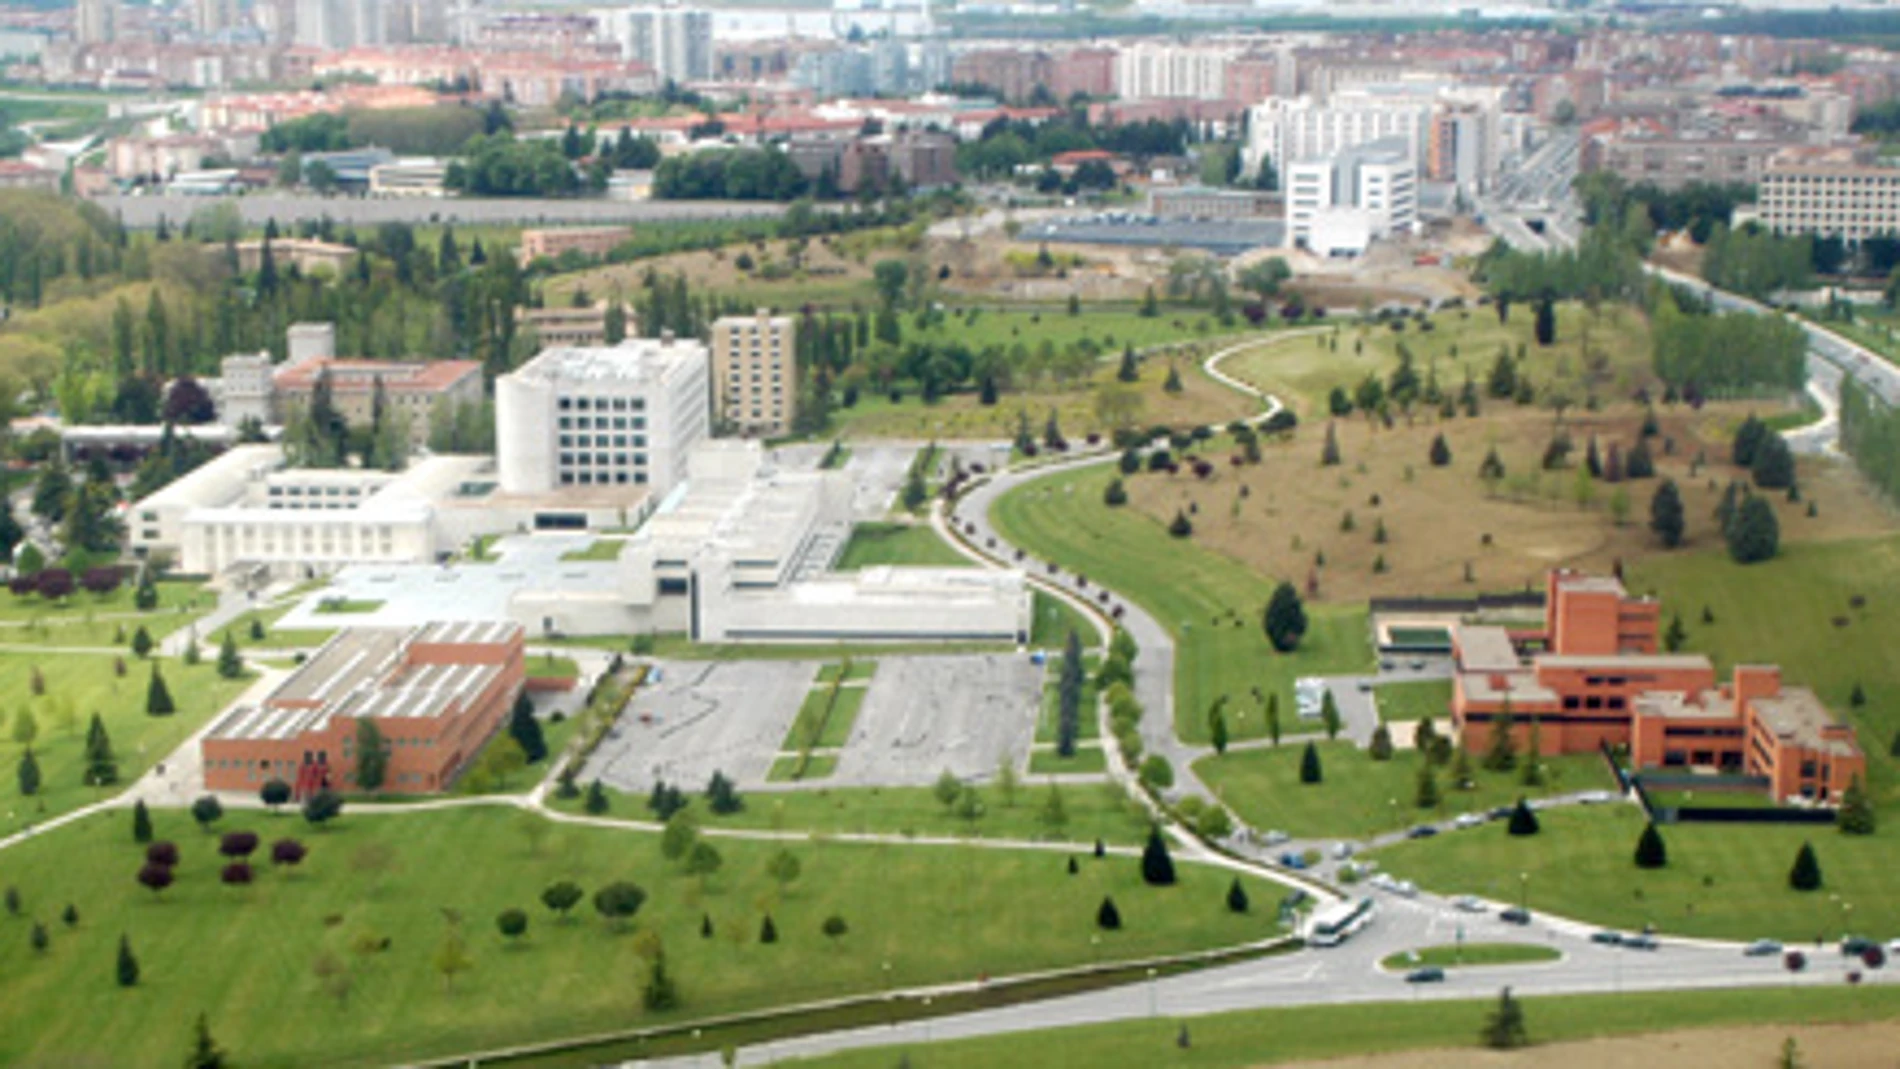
[(1307, 1033), (1211, 604), (78, 685), (1355, 799), (246, 954), (1414, 701), (897, 543)]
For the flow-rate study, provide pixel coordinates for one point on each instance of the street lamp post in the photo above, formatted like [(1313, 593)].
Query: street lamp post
[(1153, 996), (927, 1028), (1524, 890)]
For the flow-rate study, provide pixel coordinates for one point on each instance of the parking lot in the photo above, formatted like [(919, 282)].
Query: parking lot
[(920, 716), (926, 714), (702, 717)]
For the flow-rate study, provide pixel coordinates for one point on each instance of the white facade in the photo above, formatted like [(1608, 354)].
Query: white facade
[(1149, 70), (1291, 131), (1337, 207), (675, 42), (244, 388), (621, 416), (1838, 200)]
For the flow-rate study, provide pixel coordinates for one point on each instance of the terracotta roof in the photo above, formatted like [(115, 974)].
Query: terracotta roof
[(350, 376)]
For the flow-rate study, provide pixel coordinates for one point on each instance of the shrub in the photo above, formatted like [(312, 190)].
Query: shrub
[(1107, 917)]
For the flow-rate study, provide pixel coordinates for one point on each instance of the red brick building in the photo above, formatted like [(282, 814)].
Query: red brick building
[(1592, 676), (437, 693)]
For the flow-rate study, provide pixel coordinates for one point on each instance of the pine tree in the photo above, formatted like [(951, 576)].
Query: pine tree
[(595, 802), (29, 773), (204, 1050), (102, 769), (1130, 369), (158, 697), (1533, 767), (1426, 793), (1755, 534), (768, 932), (526, 730), (1856, 815), (1310, 771), (1285, 618), (1157, 868), (1523, 819), (230, 663), (1440, 453), (1504, 1028), (1502, 755), (1650, 852), (141, 822), (1380, 749), (1236, 897), (128, 968), (1806, 873), (1329, 453)]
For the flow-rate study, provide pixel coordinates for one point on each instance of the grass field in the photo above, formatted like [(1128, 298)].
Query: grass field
[(1088, 758), (1455, 954), (551, 666), (249, 955), (1053, 618), (793, 769), (1088, 725), (1093, 811), (898, 543), (85, 619), (1356, 799), (823, 724), (77, 686), (1316, 1033), (604, 549), (1076, 405), (1721, 881), (1211, 603), (1414, 701)]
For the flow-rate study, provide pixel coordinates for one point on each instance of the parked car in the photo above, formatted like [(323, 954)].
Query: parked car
[(1365, 686), (1430, 974), (1762, 948), (1596, 797), (1855, 945), (1515, 915), (1468, 820), (1641, 942), (1423, 831), (1502, 812), (1274, 838), (1470, 904), (1342, 851), (1607, 938), (1293, 861), (1405, 888)]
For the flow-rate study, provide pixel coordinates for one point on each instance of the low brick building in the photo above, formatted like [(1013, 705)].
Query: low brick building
[(586, 240), (1592, 676), (437, 693)]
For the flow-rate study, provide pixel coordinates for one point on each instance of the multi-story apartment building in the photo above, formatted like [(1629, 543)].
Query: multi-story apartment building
[(1148, 70), (624, 416), (571, 326), (1592, 676), (755, 373), (1832, 196), (676, 42)]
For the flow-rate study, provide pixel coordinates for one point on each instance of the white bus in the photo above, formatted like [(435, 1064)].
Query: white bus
[(1331, 925)]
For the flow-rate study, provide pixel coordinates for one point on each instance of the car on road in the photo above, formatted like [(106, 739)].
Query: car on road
[(1274, 838), (1641, 942), (1502, 812), (1418, 664), (1596, 797), (1607, 938), (1515, 915), (1365, 686), (1405, 888), (1470, 904), (1342, 851), (1423, 831), (1430, 974), (1856, 945), (1293, 861), (1762, 948), (1385, 666), (1468, 820)]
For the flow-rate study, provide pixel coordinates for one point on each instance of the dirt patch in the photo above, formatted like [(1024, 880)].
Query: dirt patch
[(1833, 1046), (1287, 516)]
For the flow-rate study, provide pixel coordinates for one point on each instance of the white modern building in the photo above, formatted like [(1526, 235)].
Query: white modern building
[(1455, 133), (675, 41), (1339, 206), (615, 416), (743, 552)]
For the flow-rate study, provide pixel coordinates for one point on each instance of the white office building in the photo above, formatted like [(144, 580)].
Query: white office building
[(618, 416), (1339, 206), (1298, 129)]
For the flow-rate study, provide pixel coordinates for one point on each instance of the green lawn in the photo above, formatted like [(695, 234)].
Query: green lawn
[(852, 671), (1414, 701), (786, 769), (550, 666), (605, 549), (78, 685), (84, 619), (248, 956), (1454, 954), (1052, 618), (1210, 603), (1355, 799), (898, 543), (1722, 881), (1316, 1033), (1087, 758), (1092, 811), (824, 724)]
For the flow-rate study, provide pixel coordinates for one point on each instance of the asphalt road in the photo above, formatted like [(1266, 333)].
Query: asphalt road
[(257, 208)]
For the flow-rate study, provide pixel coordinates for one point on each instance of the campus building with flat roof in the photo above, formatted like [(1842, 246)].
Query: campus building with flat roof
[(436, 693), (1592, 676)]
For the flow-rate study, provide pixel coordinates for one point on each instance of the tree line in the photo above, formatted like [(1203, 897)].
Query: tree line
[(1700, 352)]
